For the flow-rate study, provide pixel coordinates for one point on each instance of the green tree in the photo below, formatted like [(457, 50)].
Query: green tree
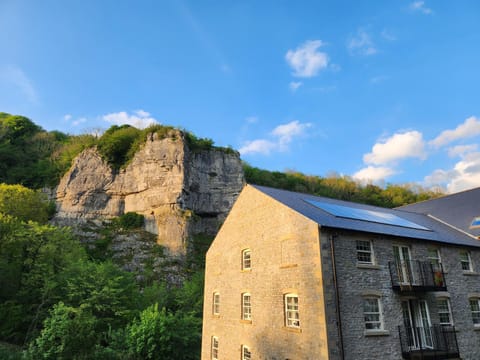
[(69, 333), (24, 204), (164, 335)]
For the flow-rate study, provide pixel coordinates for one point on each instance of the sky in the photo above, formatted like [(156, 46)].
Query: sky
[(382, 91)]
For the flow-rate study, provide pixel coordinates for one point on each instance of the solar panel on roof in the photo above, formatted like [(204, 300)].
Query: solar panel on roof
[(365, 215)]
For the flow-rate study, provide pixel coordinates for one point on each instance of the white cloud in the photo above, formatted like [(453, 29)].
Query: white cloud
[(387, 35), (79, 121), (373, 173), (282, 137), (420, 7), (251, 119), (260, 146), (470, 128), (139, 119), (305, 60), (397, 147), (294, 85), (67, 117), (464, 175), (461, 150), (15, 76), (361, 44), (378, 79)]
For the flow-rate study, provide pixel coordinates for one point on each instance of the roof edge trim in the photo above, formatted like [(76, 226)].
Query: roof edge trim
[(451, 226)]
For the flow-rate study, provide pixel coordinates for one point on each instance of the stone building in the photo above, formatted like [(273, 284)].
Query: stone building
[(295, 276)]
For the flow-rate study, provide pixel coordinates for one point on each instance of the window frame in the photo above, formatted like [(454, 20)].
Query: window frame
[(216, 303), (475, 313), (448, 311), (247, 306), (379, 313), (434, 260), (214, 348), (246, 259), (468, 260), (364, 251), (291, 311), (246, 353)]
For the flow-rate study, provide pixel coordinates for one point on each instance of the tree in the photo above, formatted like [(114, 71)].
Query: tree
[(69, 333), (24, 204), (164, 335)]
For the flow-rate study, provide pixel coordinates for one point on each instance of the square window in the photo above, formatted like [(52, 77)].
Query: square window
[(434, 257), (292, 315), (246, 354), (246, 259), (466, 261), (444, 312), (475, 309), (216, 303), (214, 348), (364, 252), (372, 314), (246, 307)]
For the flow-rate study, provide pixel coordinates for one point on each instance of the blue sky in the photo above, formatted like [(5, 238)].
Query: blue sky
[(383, 91)]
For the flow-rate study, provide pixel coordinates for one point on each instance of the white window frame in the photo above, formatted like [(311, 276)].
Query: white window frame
[(216, 303), (441, 311), (364, 252), (246, 353), (292, 311), (247, 306), (475, 312), (467, 261), (246, 259), (378, 324), (436, 259), (214, 348)]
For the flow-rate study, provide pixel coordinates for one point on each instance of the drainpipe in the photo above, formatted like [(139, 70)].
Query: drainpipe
[(337, 296)]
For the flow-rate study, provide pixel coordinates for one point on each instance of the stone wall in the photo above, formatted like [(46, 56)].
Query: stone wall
[(180, 192), (355, 281), (285, 258)]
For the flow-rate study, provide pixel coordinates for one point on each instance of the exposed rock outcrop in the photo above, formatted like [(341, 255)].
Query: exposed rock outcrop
[(179, 191)]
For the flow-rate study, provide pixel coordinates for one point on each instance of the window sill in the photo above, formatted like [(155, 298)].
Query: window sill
[(376, 333), (288, 266), (292, 329), (245, 321), (215, 316), (368, 266), (246, 270), (476, 327), (470, 273)]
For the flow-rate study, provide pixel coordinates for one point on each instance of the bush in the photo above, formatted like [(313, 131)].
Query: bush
[(131, 220)]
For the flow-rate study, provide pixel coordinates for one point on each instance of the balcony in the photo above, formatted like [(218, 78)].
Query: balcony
[(436, 342), (416, 276)]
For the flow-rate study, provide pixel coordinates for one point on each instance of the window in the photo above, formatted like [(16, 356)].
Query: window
[(216, 303), (364, 252), (246, 260), (292, 316), (434, 257), (466, 261), (246, 354), (475, 309), (444, 312), (214, 348), (372, 313), (246, 307)]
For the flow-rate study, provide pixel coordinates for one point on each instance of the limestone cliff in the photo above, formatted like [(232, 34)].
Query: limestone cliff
[(179, 191)]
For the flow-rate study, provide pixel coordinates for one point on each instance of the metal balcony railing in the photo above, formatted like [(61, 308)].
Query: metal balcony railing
[(410, 275), (434, 342)]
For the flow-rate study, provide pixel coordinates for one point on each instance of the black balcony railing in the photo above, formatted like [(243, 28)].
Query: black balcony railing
[(433, 342), (412, 275)]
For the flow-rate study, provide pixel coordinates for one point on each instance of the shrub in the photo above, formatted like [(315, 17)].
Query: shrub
[(131, 220)]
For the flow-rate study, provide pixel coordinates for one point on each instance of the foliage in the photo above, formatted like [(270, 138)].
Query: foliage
[(115, 144), (33, 258), (24, 204), (69, 333), (164, 335), (131, 220), (339, 187)]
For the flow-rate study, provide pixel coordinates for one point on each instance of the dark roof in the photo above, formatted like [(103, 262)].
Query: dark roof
[(437, 231), (457, 209)]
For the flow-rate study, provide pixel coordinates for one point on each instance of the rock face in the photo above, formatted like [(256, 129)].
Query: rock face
[(179, 191)]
